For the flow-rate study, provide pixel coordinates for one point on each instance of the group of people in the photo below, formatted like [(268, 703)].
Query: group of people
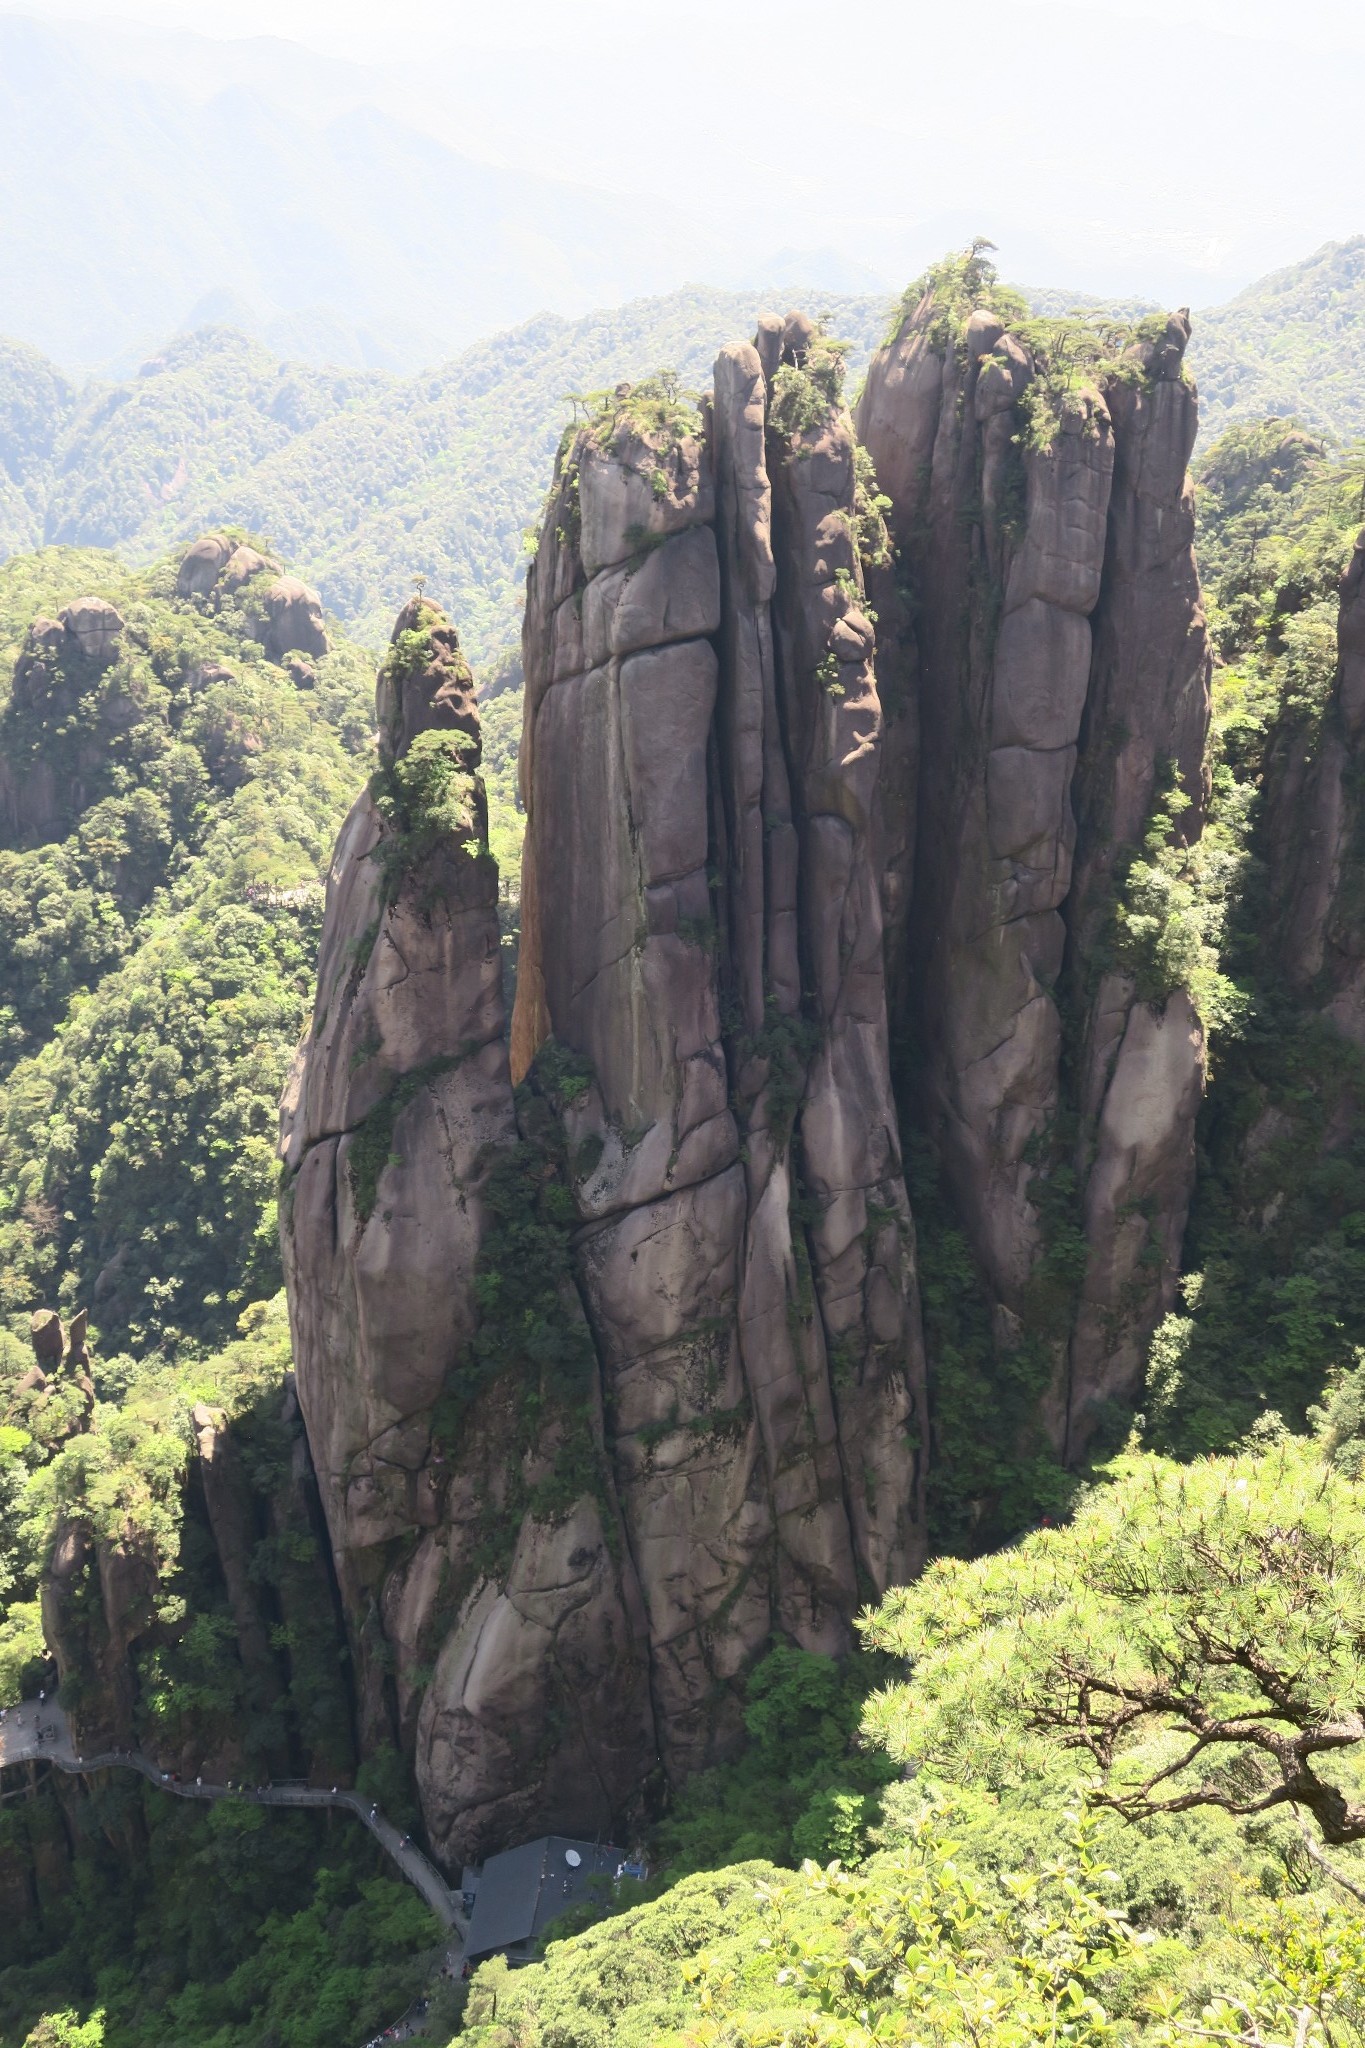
[(41, 1734), (401, 2029)]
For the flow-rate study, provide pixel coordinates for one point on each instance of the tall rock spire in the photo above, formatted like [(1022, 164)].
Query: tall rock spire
[(1046, 628), (474, 1536), (700, 766), (612, 1373)]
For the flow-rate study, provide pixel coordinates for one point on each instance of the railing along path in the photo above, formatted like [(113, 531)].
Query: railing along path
[(39, 1732)]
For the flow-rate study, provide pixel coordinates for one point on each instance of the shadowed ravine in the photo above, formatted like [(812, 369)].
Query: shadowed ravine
[(19, 1744)]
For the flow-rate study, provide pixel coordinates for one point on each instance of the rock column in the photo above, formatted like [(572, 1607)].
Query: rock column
[(1057, 659)]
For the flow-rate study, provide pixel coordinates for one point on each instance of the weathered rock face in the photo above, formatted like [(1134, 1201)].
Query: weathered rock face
[(95, 626), (59, 658), (202, 564), (700, 749), (1056, 661), (293, 619), (1313, 828), (477, 1622), (611, 1354), (575, 1481)]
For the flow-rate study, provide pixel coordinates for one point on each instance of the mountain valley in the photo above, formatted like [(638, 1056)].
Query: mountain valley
[(733, 1227)]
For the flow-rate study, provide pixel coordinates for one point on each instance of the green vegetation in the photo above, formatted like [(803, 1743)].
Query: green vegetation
[(233, 1925), (1291, 344), (180, 1928), (805, 1785), (427, 797), (1099, 1840), (1171, 908), (1192, 1635), (961, 284), (803, 394), (361, 479), (991, 1474), (1015, 1890), (1073, 354), (162, 909), (658, 409), (159, 948), (871, 534), (1274, 1288), (532, 1346)]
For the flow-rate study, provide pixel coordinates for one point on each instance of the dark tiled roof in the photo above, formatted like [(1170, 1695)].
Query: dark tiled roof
[(521, 1891)]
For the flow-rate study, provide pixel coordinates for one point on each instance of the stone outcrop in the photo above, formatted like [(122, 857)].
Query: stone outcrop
[(60, 658), (96, 627), (216, 569), (701, 924), (1047, 648), (608, 1329), (252, 1546), (202, 564), (724, 1365), (293, 619)]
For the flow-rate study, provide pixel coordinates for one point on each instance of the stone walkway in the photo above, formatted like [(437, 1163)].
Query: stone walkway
[(20, 1731)]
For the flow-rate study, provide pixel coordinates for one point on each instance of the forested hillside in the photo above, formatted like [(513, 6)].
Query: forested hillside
[(1097, 1775), (1293, 343), (171, 800), (364, 479), (1088, 1839)]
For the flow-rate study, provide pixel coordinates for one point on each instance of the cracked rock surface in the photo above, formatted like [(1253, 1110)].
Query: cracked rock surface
[(606, 1316), (1047, 648), (553, 1586)]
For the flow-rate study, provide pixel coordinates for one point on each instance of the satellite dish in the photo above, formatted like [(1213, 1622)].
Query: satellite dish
[(572, 1858)]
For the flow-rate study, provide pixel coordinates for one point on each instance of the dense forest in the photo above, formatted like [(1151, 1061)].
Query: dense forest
[(365, 479), (1098, 1774)]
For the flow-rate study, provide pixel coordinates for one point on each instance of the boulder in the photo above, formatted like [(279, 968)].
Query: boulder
[(241, 566), (293, 619), (95, 626), (426, 684), (47, 1337), (202, 564)]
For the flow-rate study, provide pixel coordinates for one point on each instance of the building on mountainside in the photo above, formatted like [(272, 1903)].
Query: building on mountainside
[(518, 1894)]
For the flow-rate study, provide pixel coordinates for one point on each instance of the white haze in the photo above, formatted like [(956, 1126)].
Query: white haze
[(1173, 152)]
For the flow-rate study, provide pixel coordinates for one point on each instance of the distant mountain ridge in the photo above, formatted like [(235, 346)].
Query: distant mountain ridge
[(344, 224), (366, 479)]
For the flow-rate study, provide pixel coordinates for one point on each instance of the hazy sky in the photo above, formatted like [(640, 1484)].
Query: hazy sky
[(361, 29), (1173, 149)]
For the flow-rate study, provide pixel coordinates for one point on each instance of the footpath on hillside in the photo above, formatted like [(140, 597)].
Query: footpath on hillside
[(39, 1732)]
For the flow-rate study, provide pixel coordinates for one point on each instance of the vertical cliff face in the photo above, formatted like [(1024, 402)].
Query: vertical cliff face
[(497, 1642), (611, 1373), (607, 1325), (1313, 833), (1048, 634), (700, 764)]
